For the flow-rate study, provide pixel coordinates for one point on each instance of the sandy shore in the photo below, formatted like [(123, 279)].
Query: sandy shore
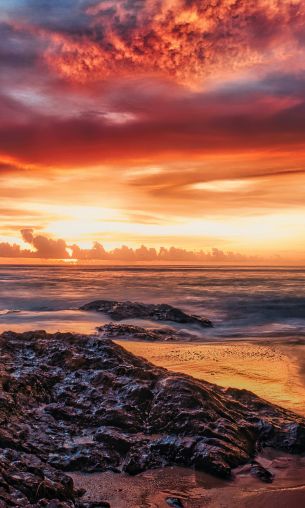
[(275, 371), (198, 490)]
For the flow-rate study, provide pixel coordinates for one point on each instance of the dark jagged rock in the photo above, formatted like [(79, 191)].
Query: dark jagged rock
[(73, 402), (155, 312), (25, 478), (125, 331)]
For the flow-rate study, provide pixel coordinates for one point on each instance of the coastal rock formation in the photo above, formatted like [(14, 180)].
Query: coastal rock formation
[(125, 331), (154, 312), (72, 402)]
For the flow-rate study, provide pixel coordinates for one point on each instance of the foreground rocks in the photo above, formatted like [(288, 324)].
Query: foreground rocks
[(154, 312), (82, 403)]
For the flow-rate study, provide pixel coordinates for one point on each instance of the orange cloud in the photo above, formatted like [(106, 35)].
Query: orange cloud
[(184, 40), (45, 247)]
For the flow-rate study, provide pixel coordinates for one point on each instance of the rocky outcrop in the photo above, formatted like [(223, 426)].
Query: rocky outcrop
[(132, 332), (82, 403), (119, 311), (26, 480)]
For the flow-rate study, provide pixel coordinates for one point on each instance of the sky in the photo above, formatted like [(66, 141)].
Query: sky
[(173, 123)]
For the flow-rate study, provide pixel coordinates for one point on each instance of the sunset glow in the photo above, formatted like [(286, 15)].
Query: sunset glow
[(160, 123)]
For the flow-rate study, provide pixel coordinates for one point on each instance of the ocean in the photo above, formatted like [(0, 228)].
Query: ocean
[(242, 302)]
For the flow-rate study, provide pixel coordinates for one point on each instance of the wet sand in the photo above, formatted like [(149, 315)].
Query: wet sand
[(275, 371), (198, 490)]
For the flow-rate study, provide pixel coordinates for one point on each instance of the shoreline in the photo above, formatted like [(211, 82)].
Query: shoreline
[(272, 370), (196, 489)]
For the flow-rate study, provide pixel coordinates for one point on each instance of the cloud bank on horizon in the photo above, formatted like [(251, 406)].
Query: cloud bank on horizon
[(45, 248), (156, 113)]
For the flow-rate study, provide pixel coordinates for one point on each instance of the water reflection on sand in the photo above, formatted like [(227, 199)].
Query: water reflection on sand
[(197, 489)]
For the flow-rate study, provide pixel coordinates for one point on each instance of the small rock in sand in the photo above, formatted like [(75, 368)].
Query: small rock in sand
[(261, 472), (175, 502)]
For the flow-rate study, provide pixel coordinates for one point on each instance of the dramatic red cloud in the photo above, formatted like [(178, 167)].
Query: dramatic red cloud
[(187, 40), (130, 62), (161, 127)]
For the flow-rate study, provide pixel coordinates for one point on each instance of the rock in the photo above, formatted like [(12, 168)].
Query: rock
[(94, 504), (155, 312), (261, 472), (175, 502), (55, 503), (71, 402), (26, 479), (125, 331)]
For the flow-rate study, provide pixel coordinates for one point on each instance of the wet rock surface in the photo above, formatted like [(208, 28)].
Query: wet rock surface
[(119, 311), (259, 471), (71, 402), (132, 332), (175, 502)]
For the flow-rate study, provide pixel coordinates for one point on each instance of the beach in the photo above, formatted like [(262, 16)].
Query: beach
[(196, 489)]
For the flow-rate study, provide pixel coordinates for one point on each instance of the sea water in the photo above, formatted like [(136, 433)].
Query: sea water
[(242, 302)]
